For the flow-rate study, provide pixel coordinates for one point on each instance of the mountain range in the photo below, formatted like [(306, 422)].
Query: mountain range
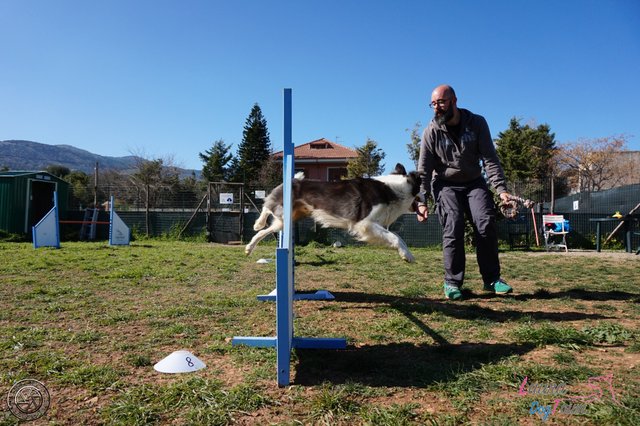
[(35, 156)]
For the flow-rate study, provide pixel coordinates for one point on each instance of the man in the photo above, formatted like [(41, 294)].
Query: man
[(451, 149)]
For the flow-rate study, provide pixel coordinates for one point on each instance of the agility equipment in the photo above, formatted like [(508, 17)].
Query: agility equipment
[(119, 233), (46, 233), (633, 210), (284, 294), (179, 362)]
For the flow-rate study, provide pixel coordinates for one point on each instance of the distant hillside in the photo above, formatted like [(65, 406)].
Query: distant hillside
[(27, 155)]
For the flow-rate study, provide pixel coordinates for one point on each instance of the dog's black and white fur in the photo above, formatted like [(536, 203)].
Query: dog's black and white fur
[(363, 206)]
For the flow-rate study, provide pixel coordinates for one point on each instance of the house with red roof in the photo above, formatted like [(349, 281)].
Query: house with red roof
[(321, 159)]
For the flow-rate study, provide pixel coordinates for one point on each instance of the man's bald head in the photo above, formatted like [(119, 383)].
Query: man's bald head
[(444, 104), (443, 91)]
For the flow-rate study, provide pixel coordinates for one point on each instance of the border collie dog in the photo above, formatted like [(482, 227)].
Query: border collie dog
[(363, 206)]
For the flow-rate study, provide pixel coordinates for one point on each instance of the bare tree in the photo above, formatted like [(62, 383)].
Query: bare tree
[(594, 164), (157, 176)]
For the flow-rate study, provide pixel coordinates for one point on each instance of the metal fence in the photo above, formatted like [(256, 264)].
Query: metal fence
[(204, 209)]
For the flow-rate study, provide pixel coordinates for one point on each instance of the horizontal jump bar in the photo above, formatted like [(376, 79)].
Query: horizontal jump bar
[(83, 222)]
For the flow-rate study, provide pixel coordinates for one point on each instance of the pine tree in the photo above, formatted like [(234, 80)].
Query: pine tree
[(368, 162), (526, 152), (216, 162), (255, 149)]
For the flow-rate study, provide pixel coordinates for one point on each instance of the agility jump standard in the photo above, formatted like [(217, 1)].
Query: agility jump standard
[(285, 340), (46, 233)]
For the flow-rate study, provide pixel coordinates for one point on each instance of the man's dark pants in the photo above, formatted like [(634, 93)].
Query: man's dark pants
[(453, 201)]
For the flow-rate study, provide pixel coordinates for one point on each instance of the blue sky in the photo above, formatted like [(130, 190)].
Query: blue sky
[(164, 78)]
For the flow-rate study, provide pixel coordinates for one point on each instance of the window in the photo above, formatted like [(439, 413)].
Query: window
[(336, 173), (321, 145)]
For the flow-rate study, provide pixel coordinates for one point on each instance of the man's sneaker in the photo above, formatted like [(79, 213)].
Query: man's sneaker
[(452, 292), (498, 287)]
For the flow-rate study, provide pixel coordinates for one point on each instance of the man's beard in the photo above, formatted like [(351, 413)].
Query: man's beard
[(444, 117)]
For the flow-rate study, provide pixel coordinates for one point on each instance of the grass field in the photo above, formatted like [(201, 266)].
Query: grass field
[(89, 321)]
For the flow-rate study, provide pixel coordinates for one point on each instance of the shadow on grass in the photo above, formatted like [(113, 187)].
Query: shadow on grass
[(320, 262), (399, 364), (580, 294), (459, 310)]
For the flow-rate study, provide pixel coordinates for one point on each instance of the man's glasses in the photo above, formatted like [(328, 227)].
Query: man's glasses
[(439, 102)]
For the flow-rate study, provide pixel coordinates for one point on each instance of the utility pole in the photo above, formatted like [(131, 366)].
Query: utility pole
[(95, 186)]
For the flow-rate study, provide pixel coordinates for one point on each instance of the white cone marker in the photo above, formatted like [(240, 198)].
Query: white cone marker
[(179, 362)]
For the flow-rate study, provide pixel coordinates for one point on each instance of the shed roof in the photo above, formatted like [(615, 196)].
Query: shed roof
[(27, 173), (38, 175), (15, 173)]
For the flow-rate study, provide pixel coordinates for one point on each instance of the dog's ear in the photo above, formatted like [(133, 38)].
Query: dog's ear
[(399, 170)]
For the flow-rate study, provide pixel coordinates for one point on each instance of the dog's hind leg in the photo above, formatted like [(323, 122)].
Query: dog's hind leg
[(375, 233), (275, 226)]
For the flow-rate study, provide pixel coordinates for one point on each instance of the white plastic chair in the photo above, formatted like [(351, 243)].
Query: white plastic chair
[(550, 233)]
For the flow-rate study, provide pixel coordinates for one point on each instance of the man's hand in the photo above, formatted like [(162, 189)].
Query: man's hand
[(508, 205), (422, 212), (505, 197)]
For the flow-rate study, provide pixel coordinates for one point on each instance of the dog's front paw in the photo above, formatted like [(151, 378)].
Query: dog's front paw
[(248, 249)]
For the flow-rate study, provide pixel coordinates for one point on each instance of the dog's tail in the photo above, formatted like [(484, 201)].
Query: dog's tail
[(299, 176)]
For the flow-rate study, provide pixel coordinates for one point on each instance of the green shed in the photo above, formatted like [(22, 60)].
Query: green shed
[(25, 197)]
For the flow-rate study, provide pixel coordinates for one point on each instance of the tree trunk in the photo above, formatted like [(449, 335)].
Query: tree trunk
[(553, 196)]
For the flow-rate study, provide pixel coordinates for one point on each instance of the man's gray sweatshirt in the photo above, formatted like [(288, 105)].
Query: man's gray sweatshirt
[(457, 160)]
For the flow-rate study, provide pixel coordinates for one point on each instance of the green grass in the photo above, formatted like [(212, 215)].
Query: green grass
[(201, 401), (608, 332), (550, 334), (90, 320)]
